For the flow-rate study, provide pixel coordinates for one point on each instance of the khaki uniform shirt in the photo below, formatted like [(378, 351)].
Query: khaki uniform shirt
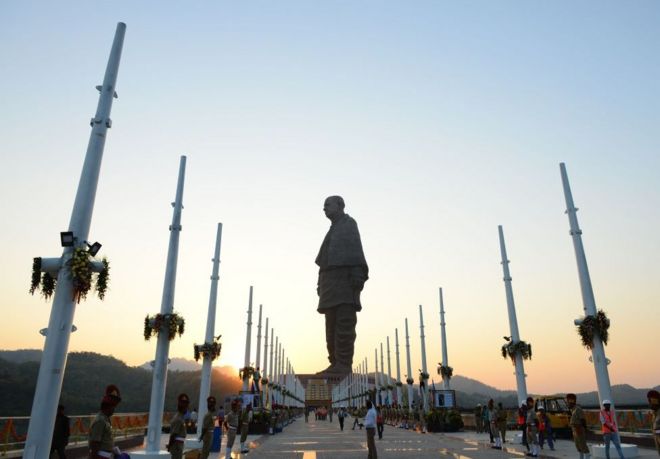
[(101, 431), (208, 423), (577, 417), (232, 419), (177, 427)]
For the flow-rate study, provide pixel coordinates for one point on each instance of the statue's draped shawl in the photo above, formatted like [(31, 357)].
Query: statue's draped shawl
[(340, 259), (342, 246)]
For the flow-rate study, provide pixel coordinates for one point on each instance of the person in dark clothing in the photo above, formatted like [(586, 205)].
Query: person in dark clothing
[(379, 423), (61, 433)]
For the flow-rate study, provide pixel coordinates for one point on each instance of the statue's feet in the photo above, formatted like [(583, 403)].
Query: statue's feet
[(335, 370), (329, 370)]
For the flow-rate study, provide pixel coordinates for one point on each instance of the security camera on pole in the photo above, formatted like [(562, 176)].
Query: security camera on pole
[(59, 271)]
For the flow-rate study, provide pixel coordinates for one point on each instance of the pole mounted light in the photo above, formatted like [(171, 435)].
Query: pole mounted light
[(67, 239)]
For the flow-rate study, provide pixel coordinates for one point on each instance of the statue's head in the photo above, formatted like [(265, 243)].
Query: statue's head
[(333, 207)]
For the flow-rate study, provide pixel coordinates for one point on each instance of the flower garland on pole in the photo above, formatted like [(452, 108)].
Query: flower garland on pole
[(245, 372), (423, 377), (591, 326), (81, 272), (445, 371), (211, 350), (511, 349), (154, 325)]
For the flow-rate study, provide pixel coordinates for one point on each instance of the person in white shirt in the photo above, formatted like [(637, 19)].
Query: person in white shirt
[(370, 425)]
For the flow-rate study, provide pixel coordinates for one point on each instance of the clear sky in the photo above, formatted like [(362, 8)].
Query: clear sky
[(436, 121)]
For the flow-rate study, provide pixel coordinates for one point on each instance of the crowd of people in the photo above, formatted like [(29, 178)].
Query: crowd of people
[(531, 420), (536, 427)]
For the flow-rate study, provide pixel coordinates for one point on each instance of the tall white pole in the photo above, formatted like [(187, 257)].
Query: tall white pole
[(521, 385), (248, 338), (366, 379), (264, 389), (376, 377), (275, 367), (410, 379), (598, 357), (159, 377), (382, 371), (271, 374), (398, 368), (205, 383), (53, 360), (425, 389), (445, 358), (389, 373), (257, 361)]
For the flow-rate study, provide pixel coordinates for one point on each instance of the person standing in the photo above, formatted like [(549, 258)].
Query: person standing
[(370, 426), (578, 425), (478, 420), (330, 413), (341, 415), (231, 424), (492, 422), (501, 422), (653, 396), (101, 441), (246, 419), (610, 429), (61, 433), (532, 428), (521, 422), (545, 429), (208, 425), (485, 415), (380, 425), (178, 428)]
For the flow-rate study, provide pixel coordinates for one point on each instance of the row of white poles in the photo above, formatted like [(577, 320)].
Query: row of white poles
[(347, 391), (275, 377)]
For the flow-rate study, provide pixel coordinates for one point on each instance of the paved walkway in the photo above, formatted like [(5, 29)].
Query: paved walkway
[(324, 440)]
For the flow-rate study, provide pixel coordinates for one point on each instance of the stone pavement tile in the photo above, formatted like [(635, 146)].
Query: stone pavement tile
[(324, 440)]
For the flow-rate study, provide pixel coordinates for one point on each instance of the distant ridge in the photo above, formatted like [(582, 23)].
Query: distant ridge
[(176, 364), (87, 373)]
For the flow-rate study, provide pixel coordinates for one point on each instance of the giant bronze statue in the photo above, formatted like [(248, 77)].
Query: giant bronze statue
[(343, 271)]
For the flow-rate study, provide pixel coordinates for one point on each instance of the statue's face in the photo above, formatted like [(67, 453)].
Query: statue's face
[(331, 207)]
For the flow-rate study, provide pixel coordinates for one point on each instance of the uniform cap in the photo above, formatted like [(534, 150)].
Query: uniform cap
[(606, 402), (183, 398), (541, 408), (653, 395), (111, 396), (571, 397), (210, 399)]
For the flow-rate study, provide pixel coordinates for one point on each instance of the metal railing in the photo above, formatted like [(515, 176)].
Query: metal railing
[(13, 429)]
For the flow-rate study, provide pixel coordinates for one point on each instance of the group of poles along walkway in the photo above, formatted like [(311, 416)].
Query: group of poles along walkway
[(279, 382), (285, 388), (593, 327)]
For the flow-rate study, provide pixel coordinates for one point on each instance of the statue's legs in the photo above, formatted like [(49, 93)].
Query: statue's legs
[(330, 325), (345, 322)]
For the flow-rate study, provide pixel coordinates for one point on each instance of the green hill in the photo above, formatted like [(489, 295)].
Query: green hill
[(87, 374)]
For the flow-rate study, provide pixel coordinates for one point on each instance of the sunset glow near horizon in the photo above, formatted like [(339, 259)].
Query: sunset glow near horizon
[(436, 123)]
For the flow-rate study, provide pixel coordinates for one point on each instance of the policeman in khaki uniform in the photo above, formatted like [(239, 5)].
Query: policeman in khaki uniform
[(178, 428), (208, 424), (578, 425), (246, 419), (101, 442), (653, 397), (231, 424)]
